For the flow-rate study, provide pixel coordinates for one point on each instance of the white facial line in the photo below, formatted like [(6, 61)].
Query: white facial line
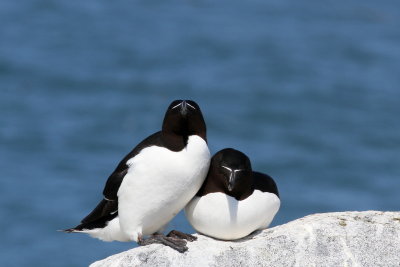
[(176, 106), (229, 169), (190, 105), (238, 170)]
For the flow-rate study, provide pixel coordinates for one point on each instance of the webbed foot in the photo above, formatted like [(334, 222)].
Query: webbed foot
[(172, 242), (181, 235)]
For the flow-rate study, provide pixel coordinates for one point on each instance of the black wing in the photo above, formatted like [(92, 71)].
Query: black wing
[(107, 209), (114, 181), (104, 212), (265, 183), (103, 209)]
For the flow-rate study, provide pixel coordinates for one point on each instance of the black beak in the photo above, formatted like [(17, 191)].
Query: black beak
[(183, 108), (232, 181)]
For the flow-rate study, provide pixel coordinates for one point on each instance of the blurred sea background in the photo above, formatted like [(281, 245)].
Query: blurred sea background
[(309, 90)]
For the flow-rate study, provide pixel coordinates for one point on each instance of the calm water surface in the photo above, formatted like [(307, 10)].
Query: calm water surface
[(309, 91)]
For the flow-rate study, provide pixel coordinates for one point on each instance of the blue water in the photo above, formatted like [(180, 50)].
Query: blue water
[(308, 90)]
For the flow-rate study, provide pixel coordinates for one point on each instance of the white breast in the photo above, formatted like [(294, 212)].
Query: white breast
[(221, 216), (159, 183)]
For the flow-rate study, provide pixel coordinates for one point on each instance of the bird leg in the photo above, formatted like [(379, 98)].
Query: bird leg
[(172, 242), (180, 235)]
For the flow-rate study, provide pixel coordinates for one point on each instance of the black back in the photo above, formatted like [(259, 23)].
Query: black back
[(182, 119), (264, 183)]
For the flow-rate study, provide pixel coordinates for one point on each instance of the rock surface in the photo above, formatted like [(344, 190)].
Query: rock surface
[(369, 238)]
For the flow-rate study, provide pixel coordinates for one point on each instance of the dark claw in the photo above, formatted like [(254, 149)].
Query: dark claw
[(180, 235), (177, 244)]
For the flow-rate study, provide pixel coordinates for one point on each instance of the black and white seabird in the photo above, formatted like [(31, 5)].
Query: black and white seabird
[(154, 182), (234, 201)]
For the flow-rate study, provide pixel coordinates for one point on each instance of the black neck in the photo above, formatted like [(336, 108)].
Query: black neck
[(174, 141)]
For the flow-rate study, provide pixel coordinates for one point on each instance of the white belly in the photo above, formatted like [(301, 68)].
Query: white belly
[(159, 183), (221, 216)]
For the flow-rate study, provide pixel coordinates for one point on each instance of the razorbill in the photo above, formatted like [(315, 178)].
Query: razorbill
[(154, 182), (234, 201)]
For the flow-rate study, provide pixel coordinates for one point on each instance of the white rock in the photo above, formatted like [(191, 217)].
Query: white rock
[(370, 238)]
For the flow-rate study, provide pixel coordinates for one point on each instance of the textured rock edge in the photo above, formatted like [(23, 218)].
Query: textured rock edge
[(366, 238)]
